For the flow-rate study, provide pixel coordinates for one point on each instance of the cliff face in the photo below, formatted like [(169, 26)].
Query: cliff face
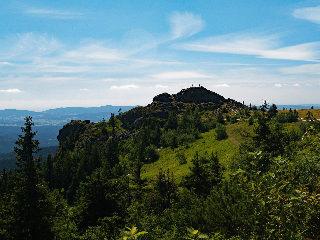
[(162, 104), (70, 128)]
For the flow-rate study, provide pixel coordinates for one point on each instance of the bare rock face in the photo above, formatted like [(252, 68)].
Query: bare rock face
[(163, 97), (70, 128), (198, 95)]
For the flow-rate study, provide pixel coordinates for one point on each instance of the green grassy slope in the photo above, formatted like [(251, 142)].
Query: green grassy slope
[(207, 144)]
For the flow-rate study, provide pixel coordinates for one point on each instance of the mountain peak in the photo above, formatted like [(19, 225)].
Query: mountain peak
[(191, 95), (202, 98)]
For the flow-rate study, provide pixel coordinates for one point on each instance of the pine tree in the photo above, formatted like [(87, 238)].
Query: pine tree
[(30, 204)]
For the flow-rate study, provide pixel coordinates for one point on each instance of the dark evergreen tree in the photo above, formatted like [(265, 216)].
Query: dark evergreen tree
[(31, 208), (219, 118), (165, 190), (199, 179), (172, 122), (272, 110)]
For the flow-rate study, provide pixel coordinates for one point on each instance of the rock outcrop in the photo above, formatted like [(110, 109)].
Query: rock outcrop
[(84, 132), (71, 128), (191, 95), (162, 104)]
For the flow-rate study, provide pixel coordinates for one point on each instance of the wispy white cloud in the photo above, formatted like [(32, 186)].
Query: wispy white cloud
[(180, 75), (5, 64), (29, 46), (222, 85), (278, 85), (125, 87), (260, 46), (52, 13), (11, 91), (296, 85), (302, 52), (185, 24), (302, 69), (91, 53), (311, 14), (161, 86)]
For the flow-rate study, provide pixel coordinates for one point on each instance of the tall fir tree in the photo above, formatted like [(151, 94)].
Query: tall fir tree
[(30, 205)]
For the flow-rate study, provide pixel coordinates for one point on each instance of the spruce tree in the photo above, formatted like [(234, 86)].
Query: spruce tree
[(30, 205)]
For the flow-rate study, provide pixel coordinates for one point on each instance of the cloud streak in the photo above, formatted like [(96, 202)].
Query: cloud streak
[(11, 91), (260, 46), (52, 13), (222, 85), (28, 46), (180, 75), (185, 24), (311, 14), (313, 69), (125, 87)]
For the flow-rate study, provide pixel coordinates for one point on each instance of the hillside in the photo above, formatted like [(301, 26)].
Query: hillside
[(202, 98), (188, 165)]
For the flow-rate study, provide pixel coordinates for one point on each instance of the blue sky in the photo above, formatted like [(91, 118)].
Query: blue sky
[(94, 53)]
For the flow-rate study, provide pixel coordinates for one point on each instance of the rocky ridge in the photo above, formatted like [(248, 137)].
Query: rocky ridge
[(162, 104)]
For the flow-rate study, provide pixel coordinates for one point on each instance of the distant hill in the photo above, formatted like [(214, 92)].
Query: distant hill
[(48, 123), (8, 160), (59, 116)]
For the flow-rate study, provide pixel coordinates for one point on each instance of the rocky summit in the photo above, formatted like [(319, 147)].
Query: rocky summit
[(195, 95), (162, 104), (199, 97)]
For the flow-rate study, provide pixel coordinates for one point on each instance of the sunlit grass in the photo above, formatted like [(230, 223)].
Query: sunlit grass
[(207, 144)]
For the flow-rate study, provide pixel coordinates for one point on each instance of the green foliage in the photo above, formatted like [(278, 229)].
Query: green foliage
[(205, 174), (100, 198), (264, 107), (272, 111), (133, 233), (195, 234), (287, 117), (234, 119), (181, 158), (221, 132), (261, 182), (219, 118), (32, 211)]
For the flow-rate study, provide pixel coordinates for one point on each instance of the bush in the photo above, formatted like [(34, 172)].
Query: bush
[(182, 158), (221, 132), (220, 118), (151, 154), (234, 119), (250, 120)]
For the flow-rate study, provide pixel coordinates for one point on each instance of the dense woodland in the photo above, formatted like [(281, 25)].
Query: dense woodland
[(257, 178)]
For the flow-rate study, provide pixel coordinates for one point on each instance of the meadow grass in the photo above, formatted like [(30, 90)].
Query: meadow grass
[(206, 145), (303, 112)]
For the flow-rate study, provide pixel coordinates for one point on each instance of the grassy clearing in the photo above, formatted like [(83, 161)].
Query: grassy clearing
[(303, 112), (204, 146)]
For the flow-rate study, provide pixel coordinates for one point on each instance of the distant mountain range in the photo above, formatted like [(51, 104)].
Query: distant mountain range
[(48, 123), (59, 116)]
